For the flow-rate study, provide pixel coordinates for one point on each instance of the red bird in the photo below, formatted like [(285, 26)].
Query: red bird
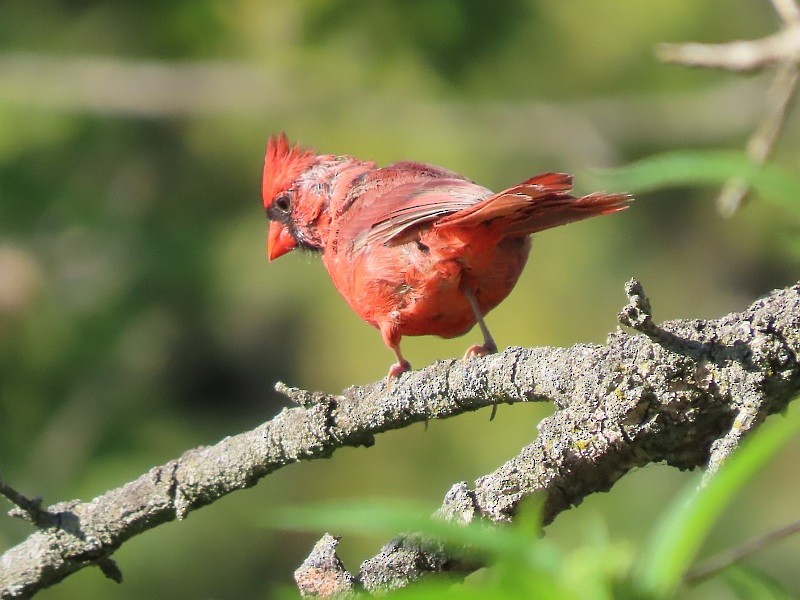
[(413, 248)]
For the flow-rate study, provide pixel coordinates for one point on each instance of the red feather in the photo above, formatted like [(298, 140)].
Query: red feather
[(414, 249)]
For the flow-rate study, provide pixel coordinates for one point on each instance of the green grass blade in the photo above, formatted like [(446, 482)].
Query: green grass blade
[(676, 540), (749, 583)]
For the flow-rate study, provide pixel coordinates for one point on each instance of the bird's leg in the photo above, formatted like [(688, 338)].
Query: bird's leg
[(398, 368), (488, 347), (392, 339)]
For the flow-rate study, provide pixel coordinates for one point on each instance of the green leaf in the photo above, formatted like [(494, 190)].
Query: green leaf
[(749, 583), (523, 565), (676, 540), (706, 167), (389, 517)]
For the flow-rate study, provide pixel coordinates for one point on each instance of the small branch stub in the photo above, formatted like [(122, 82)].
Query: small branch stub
[(26, 508), (109, 568), (301, 397), (322, 574), (638, 314)]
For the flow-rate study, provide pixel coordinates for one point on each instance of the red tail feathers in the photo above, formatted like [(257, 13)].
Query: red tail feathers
[(536, 204)]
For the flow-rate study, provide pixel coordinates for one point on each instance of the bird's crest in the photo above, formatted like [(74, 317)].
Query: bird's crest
[(282, 164)]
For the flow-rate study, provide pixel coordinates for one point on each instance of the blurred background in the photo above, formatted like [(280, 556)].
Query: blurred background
[(139, 316)]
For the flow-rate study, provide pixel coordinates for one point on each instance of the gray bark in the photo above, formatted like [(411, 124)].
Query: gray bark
[(682, 393)]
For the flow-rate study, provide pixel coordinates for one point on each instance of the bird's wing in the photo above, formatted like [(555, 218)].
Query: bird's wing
[(392, 217), (538, 203), (509, 202)]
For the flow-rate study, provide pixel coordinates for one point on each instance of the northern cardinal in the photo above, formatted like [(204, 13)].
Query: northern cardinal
[(414, 249)]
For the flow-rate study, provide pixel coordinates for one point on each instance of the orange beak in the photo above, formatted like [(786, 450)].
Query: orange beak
[(279, 240)]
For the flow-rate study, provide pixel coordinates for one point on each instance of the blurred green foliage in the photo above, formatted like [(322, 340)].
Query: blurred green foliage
[(774, 184), (522, 564), (138, 316)]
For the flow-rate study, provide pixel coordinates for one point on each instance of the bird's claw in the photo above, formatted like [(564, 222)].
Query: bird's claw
[(395, 371), (477, 350)]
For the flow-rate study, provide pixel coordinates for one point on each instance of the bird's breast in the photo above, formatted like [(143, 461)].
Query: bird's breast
[(418, 285)]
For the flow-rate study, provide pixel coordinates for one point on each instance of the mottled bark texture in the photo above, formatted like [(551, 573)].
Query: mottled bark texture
[(682, 393)]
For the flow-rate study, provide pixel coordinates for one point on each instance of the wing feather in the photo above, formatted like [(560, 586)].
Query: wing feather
[(392, 217), (437, 198), (536, 204), (509, 202)]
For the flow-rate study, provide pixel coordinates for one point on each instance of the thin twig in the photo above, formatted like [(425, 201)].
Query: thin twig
[(723, 560), (741, 55), (781, 48), (760, 144), (787, 10), (26, 508)]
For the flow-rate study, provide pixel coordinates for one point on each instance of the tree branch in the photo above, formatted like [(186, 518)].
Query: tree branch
[(761, 142), (621, 405), (787, 10), (781, 49), (29, 509), (683, 394), (741, 55)]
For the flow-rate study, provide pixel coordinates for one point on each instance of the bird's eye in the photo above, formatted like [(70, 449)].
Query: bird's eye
[(283, 203)]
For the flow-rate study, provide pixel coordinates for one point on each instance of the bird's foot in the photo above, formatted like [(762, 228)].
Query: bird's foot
[(480, 350), (395, 371)]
